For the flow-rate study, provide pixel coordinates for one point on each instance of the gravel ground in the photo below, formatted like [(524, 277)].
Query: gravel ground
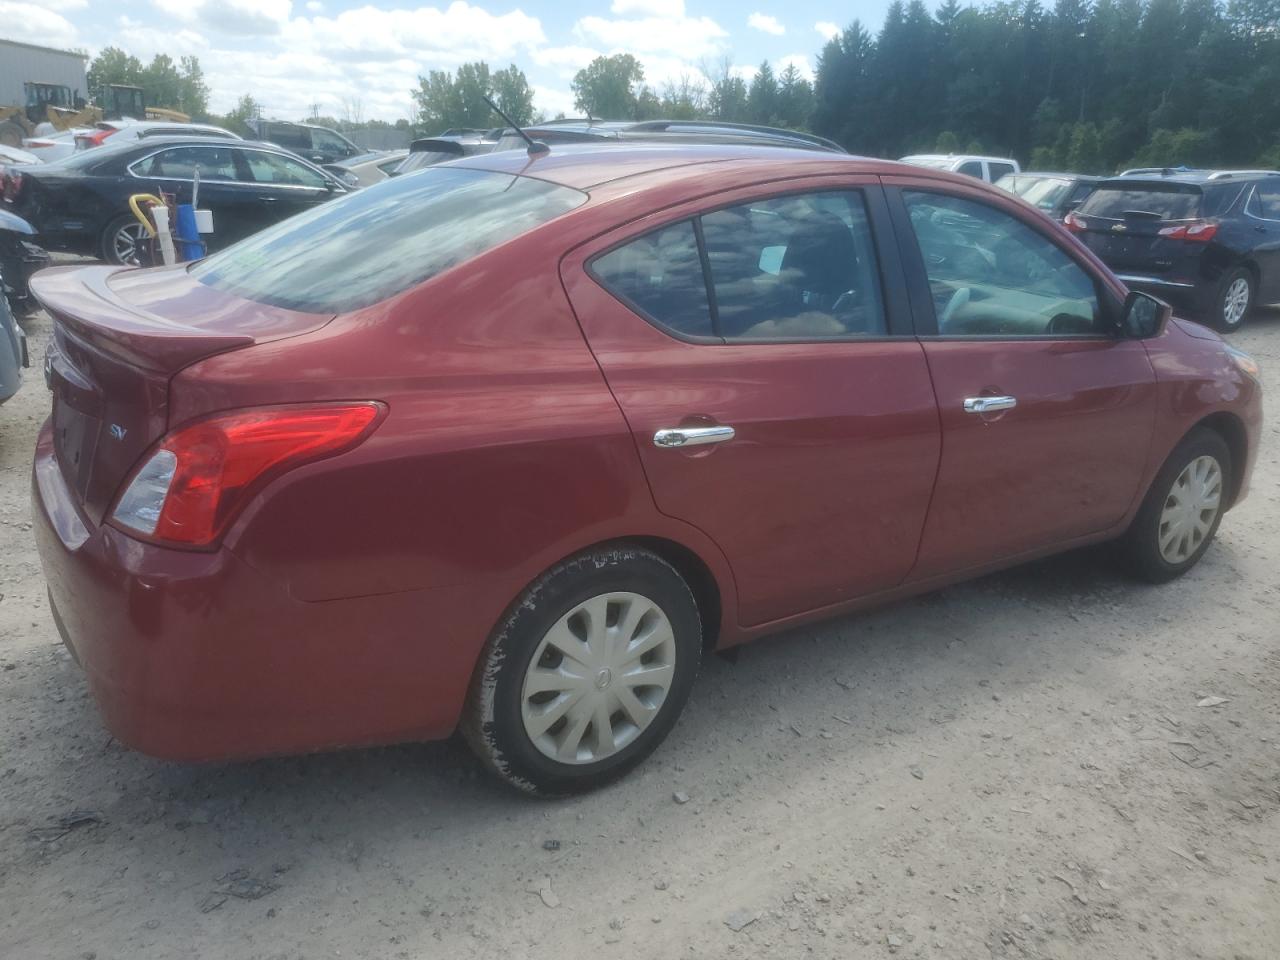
[(1016, 767)]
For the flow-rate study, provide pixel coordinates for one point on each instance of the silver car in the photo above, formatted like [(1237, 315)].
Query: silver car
[(13, 350)]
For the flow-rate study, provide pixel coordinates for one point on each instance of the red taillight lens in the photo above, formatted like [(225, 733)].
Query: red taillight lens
[(191, 485), (1075, 223), (1201, 231)]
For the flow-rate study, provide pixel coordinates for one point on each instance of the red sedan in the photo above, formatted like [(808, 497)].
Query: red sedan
[(509, 444)]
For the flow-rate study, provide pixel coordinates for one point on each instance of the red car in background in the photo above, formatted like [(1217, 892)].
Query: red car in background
[(508, 444)]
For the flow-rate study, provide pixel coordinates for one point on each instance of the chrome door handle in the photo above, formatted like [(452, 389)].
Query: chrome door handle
[(989, 404), (691, 436)]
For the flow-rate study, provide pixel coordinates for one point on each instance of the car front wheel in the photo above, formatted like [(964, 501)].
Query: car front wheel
[(587, 673), (1180, 516), (122, 241)]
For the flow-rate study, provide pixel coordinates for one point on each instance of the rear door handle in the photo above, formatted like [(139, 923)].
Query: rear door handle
[(691, 436), (989, 404)]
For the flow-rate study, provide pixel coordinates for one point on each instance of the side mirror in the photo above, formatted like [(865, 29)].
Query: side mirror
[(1143, 316)]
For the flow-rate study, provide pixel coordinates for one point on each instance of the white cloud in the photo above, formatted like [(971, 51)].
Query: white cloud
[(671, 9), (62, 6), (799, 61), (766, 24), (455, 35), (566, 61), (828, 29), (315, 6), (29, 23), (659, 71), (686, 37), (554, 100), (747, 73), (245, 18)]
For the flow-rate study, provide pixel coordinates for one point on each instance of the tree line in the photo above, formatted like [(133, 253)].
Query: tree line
[(1086, 86)]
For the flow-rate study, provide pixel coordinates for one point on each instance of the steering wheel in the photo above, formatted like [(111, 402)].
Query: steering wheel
[(957, 301)]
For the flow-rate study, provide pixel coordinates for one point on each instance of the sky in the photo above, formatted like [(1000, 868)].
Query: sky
[(359, 58)]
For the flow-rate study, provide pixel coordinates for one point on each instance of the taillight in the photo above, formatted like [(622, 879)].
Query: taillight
[(87, 141), (191, 485), (12, 184), (1074, 222), (1200, 231)]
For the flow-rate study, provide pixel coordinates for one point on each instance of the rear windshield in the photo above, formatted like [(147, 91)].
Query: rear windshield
[(1162, 201), (419, 159), (379, 241)]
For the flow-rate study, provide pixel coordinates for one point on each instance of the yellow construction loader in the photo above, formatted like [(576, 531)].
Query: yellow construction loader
[(56, 105)]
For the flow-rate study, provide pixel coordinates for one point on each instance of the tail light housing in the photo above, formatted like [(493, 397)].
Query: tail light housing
[(1074, 222), (190, 486), (87, 141), (1197, 231)]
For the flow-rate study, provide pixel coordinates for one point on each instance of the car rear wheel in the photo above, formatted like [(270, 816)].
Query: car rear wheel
[(1180, 516), (122, 241), (1235, 297), (587, 672)]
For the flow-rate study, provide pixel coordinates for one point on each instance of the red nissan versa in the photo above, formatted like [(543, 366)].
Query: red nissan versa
[(510, 443)]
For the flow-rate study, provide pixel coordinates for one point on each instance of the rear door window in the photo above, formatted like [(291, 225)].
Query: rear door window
[(660, 276), (1157, 201), (375, 243), (971, 168), (998, 170), (180, 163)]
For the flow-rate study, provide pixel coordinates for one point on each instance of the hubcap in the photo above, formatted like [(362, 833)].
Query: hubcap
[(1236, 301), (1190, 509), (125, 242), (598, 678)]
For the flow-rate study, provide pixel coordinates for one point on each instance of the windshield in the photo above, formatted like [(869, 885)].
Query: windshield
[(1044, 192), (377, 242), (1162, 201)]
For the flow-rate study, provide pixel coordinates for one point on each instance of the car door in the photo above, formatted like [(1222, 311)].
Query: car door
[(1046, 414), (759, 346), (284, 186), (1262, 212), (223, 189)]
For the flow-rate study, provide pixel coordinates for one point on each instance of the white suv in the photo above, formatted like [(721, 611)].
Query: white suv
[(989, 169)]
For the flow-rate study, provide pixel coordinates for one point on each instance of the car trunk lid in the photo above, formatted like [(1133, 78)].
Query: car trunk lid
[(118, 341), (1121, 223)]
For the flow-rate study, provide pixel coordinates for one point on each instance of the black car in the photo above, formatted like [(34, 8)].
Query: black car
[(309, 141), (81, 203), (1208, 241), (1057, 194), (20, 257)]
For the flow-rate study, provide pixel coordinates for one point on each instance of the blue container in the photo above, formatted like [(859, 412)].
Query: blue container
[(190, 246)]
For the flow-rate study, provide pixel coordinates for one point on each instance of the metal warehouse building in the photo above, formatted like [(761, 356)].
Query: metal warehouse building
[(27, 63)]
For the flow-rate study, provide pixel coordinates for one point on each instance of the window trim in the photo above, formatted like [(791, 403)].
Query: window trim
[(923, 309), (882, 236)]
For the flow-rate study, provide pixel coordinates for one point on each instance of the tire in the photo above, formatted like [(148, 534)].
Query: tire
[(1233, 301), (108, 248), (1159, 520), (525, 735)]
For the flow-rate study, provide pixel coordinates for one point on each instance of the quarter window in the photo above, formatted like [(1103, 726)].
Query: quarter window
[(998, 170), (660, 274), (799, 267), (1265, 202), (993, 275)]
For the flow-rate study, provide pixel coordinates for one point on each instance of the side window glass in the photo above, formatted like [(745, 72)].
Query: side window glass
[(993, 275), (799, 267), (273, 168), (215, 163), (1266, 202), (660, 275), (998, 170), (289, 136), (330, 143), (972, 168)]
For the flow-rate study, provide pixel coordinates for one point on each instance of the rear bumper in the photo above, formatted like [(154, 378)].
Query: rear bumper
[(197, 656)]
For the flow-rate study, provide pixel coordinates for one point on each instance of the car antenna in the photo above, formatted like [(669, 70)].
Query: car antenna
[(536, 147)]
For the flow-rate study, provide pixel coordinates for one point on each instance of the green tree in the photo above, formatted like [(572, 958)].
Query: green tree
[(513, 94), (112, 66), (609, 87), (246, 108), (762, 96), (795, 99)]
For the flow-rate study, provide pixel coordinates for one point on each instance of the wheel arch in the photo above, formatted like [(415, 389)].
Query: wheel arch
[(1232, 430)]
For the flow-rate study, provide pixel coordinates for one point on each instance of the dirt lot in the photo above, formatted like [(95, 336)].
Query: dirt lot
[(1012, 768)]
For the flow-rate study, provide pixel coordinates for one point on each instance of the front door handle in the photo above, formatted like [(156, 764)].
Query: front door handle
[(989, 404), (691, 436)]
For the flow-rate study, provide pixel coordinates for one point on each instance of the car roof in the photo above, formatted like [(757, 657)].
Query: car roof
[(1051, 174), (589, 165), (955, 156)]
